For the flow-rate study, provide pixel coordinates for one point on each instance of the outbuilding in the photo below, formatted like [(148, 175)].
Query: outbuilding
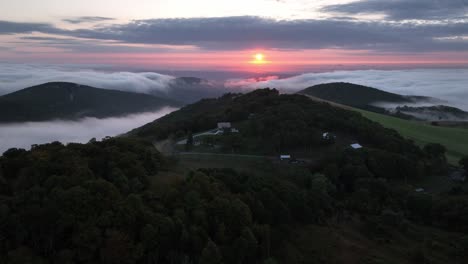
[(356, 146)]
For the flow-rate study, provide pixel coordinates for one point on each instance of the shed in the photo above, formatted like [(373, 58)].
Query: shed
[(356, 146)]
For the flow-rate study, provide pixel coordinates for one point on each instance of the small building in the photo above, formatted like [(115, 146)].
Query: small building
[(285, 157), (234, 130), (327, 136), (419, 190), (356, 146), (222, 125)]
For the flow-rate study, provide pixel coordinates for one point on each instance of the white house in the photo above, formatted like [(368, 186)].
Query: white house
[(328, 136), (356, 146), (285, 157), (222, 125)]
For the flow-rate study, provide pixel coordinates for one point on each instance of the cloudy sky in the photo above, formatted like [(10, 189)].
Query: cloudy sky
[(216, 34)]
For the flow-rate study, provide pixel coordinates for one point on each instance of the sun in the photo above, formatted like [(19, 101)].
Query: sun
[(259, 57)]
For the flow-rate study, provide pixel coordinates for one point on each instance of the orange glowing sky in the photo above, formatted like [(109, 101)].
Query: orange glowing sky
[(248, 60), (246, 35)]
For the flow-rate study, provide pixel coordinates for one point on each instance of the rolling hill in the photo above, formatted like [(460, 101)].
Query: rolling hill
[(271, 123), (120, 201), (357, 95), (62, 100), (454, 139)]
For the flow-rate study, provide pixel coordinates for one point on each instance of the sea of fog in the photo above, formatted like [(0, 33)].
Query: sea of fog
[(23, 135), (448, 85)]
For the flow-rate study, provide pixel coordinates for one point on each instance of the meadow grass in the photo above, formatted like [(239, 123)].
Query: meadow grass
[(454, 139)]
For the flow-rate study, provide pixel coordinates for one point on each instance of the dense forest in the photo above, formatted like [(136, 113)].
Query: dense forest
[(95, 203), (106, 202)]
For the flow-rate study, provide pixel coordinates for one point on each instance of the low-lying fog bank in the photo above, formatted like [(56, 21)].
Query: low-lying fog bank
[(23, 135)]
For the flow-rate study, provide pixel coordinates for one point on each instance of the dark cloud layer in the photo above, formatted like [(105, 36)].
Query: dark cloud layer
[(405, 9), (86, 19), (233, 33), (7, 27), (251, 32)]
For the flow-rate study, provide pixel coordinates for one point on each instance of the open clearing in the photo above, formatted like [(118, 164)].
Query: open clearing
[(454, 139)]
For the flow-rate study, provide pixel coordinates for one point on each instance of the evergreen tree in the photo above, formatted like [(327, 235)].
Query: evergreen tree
[(189, 143), (210, 254)]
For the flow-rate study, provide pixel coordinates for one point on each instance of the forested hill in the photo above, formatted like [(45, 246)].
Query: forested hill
[(61, 100), (354, 95), (116, 201), (271, 123)]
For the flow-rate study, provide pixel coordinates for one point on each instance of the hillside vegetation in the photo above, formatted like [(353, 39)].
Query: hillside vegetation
[(60, 100), (104, 202), (271, 123), (119, 201)]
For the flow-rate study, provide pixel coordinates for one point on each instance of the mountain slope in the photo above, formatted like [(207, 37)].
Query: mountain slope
[(354, 95), (271, 123), (62, 100)]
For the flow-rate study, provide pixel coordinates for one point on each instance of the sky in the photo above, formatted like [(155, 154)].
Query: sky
[(293, 35)]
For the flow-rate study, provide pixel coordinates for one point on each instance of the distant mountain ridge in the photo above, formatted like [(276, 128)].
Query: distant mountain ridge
[(356, 95), (64, 100)]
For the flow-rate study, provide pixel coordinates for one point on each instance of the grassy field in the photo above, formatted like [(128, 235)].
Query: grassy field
[(454, 139)]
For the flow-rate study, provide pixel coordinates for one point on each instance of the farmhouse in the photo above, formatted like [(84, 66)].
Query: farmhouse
[(328, 136), (222, 125)]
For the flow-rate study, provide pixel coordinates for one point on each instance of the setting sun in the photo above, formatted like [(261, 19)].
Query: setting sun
[(259, 57)]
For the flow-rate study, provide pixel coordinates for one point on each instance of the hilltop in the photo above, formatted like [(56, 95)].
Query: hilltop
[(355, 95), (378, 101), (62, 100), (271, 123)]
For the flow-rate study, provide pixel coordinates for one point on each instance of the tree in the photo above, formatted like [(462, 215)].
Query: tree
[(210, 254), (464, 163), (189, 143)]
